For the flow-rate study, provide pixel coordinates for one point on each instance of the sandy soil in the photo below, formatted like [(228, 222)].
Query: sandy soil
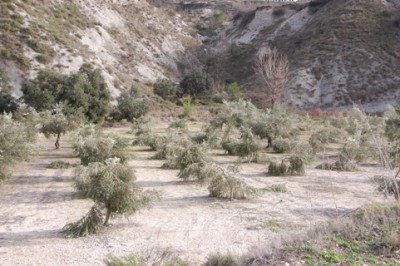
[(38, 202)]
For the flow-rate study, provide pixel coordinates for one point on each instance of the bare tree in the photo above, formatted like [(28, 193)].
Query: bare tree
[(272, 68)]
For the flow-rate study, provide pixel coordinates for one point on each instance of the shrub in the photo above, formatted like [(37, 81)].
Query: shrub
[(110, 184), (209, 137), (188, 106), (388, 186), (278, 188), (59, 165), (125, 261), (342, 164), (288, 167), (247, 146), (93, 146), (234, 90), (8, 104), (15, 144), (166, 89), (324, 136), (5, 81), (221, 260), (171, 146), (224, 184), (278, 12), (130, 107), (145, 136), (234, 114), (192, 163), (195, 84), (30, 119), (281, 145), (179, 124)]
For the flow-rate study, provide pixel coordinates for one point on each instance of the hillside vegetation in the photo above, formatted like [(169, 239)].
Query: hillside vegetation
[(340, 52)]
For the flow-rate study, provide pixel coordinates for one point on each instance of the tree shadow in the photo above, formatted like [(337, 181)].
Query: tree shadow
[(29, 238)]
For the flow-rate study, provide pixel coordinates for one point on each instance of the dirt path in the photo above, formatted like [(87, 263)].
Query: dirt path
[(38, 202)]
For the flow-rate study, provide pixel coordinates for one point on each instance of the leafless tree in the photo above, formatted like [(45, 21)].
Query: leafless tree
[(272, 68)]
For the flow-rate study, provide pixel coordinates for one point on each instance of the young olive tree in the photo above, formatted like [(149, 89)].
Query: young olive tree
[(15, 143), (56, 123), (110, 185), (224, 184), (272, 68), (91, 145)]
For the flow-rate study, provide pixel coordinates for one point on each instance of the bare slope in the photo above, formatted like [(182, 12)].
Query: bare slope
[(127, 39), (341, 53)]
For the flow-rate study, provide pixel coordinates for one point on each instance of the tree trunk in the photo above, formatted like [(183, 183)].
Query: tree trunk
[(107, 217), (57, 144), (269, 142)]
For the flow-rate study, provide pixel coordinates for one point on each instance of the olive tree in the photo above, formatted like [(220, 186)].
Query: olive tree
[(56, 123), (92, 145), (15, 143), (110, 185), (195, 84), (85, 90), (131, 106)]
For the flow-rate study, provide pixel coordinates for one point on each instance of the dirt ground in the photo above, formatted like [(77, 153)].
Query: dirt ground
[(38, 202)]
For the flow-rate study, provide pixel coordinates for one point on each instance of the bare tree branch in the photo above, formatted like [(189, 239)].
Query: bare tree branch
[(272, 68)]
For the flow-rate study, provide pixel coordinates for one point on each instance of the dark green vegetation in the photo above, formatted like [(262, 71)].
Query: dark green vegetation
[(84, 92), (16, 144), (131, 106)]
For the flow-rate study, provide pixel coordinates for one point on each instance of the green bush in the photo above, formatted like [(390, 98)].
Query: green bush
[(192, 163), (145, 136), (56, 123), (59, 165), (110, 185), (93, 146), (8, 104), (85, 91), (234, 90), (293, 166), (277, 188), (221, 260), (188, 106), (130, 106), (325, 136), (166, 89), (15, 144), (342, 164), (223, 184), (281, 145), (248, 146), (197, 83), (171, 146)]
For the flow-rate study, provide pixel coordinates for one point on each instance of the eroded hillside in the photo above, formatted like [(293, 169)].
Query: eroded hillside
[(340, 52), (128, 40)]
